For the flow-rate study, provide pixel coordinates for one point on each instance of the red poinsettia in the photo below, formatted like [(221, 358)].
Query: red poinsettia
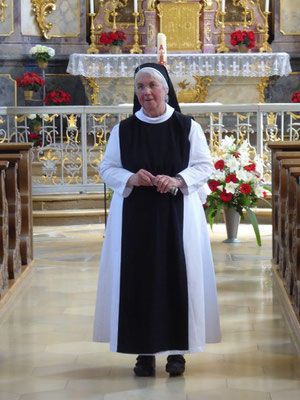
[(112, 38), (296, 97), (30, 81), (57, 97), (243, 37)]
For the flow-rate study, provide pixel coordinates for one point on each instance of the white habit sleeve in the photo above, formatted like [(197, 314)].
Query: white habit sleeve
[(111, 170)]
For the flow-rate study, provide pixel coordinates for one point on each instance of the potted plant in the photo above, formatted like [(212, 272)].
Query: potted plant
[(42, 54), (245, 40), (30, 83), (237, 182), (57, 97), (114, 40)]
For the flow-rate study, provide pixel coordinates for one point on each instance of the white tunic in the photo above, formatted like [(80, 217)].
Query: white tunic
[(204, 322)]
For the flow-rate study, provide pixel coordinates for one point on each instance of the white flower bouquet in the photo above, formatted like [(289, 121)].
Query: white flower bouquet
[(237, 181), (42, 53)]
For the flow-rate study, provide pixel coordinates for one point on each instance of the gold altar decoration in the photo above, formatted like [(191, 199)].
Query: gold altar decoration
[(95, 90), (92, 47), (180, 23), (234, 10), (41, 9), (266, 46), (118, 12), (150, 6), (197, 94), (261, 87), (3, 5), (222, 48), (135, 48)]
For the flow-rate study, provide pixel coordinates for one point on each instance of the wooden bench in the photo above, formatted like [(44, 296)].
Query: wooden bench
[(4, 230), (25, 190)]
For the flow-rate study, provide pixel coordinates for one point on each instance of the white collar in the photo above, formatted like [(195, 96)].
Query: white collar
[(156, 120)]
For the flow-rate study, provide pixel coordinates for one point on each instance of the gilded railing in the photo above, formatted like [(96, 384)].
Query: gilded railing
[(69, 141)]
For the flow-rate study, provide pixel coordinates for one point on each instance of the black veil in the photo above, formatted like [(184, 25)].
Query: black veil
[(173, 102)]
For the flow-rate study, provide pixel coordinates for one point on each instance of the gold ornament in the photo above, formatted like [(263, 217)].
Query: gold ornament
[(41, 9)]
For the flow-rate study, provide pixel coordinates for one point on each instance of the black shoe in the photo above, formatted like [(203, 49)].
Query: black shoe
[(145, 366), (175, 365)]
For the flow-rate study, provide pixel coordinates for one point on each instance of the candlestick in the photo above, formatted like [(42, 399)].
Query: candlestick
[(92, 6), (135, 6), (92, 48), (223, 6), (266, 48), (135, 48), (267, 7), (114, 14), (222, 48)]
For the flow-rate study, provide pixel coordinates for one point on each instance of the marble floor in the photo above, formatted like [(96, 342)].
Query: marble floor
[(46, 352)]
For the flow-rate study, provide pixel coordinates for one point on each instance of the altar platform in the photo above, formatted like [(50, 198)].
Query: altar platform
[(225, 78)]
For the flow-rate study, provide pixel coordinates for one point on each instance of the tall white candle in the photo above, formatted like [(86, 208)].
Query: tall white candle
[(135, 6), (92, 6), (162, 48), (267, 5), (223, 6)]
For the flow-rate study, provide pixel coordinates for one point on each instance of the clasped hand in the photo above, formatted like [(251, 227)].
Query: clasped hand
[(145, 178)]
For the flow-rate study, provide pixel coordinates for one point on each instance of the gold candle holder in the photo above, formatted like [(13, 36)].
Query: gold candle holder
[(92, 48), (266, 48), (222, 48), (135, 48), (114, 15)]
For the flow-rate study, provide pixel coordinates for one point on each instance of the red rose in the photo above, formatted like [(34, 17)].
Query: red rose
[(231, 178), (225, 196), (213, 185), (220, 165), (245, 188)]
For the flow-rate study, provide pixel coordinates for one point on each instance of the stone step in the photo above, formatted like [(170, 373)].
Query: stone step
[(68, 217), (68, 201)]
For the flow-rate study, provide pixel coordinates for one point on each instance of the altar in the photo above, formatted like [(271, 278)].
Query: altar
[(225, 78)]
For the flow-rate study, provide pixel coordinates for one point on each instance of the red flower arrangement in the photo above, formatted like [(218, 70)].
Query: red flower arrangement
[(56, 97), (296, 97), (237, 181), (243, 37), (30, 81), (112, 38)]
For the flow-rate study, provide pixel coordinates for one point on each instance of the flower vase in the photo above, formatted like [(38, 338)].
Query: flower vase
[(28, 94), (232, 220), (42, 64), (243, 48), (115, 49)]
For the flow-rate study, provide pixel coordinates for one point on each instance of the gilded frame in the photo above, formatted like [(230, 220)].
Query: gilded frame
[(235, 24), (12, 21), (280, 26), (123, 25)]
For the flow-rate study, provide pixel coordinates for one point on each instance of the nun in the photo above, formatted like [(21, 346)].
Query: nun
[(156, 291)]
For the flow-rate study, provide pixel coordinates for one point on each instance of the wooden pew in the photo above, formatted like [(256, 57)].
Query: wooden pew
[(14, 213), (285, 209), (295, 253), (4, 230), (278, 149), (25, 189)]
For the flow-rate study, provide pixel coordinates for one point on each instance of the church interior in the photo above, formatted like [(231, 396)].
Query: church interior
[(66, 78)]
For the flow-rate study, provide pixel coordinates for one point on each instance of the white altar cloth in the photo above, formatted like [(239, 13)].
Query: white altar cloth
[(231, 64)]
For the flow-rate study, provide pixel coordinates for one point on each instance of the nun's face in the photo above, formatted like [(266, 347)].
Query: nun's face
[(151, 95)]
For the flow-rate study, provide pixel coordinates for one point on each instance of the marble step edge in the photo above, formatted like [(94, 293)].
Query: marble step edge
[(101, 211), (68, 213), (66, 197)]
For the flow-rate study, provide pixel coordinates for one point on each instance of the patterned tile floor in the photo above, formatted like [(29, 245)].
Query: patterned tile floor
[(46, 352)]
